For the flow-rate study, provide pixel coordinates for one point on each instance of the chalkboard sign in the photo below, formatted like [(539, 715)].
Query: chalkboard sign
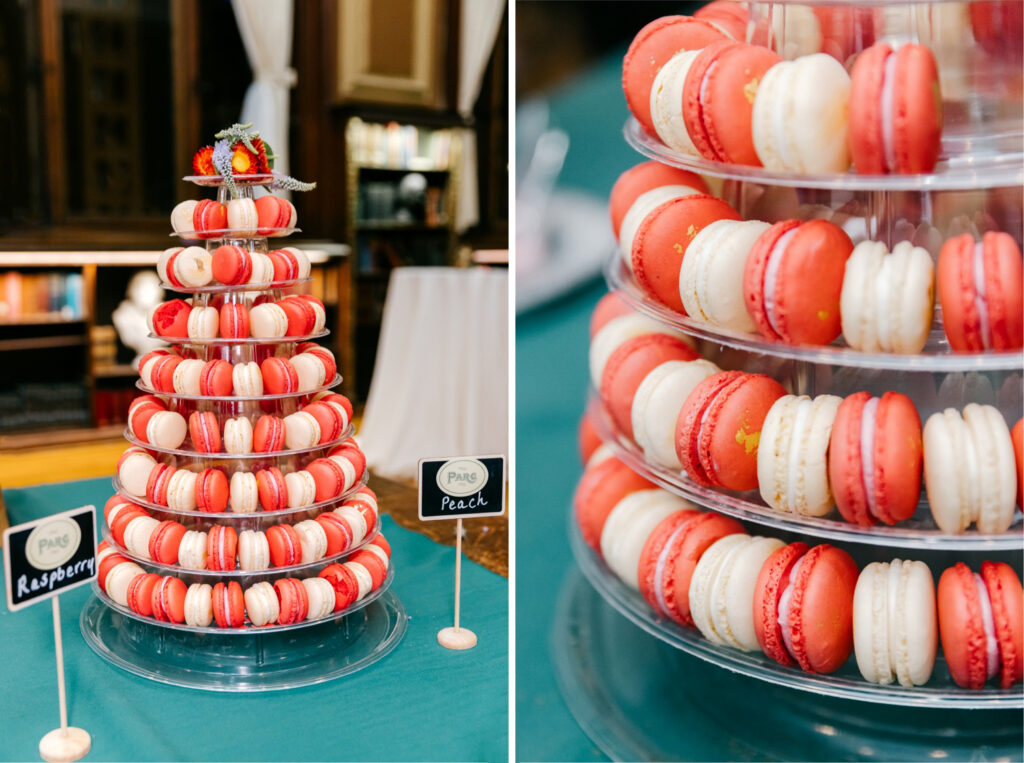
[(49, 556), (460, 487)]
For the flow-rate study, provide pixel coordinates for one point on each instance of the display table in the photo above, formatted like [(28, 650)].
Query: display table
[(410, 690), (440, 382)]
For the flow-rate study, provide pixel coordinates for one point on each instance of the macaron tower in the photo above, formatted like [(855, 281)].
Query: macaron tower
[(241, 503), (803, 442)]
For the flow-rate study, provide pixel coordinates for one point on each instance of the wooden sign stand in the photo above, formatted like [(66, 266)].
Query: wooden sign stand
[(68, 743), (457, 637)]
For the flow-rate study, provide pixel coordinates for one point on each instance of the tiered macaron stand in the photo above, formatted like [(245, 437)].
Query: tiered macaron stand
[(247, 658), (661, 705)]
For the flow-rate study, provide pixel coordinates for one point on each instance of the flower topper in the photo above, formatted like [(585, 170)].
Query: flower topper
[(240, 151)]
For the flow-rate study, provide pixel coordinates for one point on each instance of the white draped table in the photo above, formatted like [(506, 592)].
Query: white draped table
[(440, 382)]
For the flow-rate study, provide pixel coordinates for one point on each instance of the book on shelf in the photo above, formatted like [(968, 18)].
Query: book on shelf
[(40, 295)]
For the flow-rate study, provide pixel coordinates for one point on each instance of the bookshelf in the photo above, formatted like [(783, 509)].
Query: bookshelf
[(64, 374), (402, 187)]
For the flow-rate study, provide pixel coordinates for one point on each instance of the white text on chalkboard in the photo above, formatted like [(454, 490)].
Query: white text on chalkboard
[(450, 504), (48, 580)]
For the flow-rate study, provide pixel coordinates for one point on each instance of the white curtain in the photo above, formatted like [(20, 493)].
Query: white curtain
[(479, 22), (266, 29)]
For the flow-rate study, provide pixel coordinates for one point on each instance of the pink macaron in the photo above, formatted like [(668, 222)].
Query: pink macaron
[(644, 177), (268, 434), (661, 241), (234, 320), (204, 429), (208, 215), (599, 490), (719, 428), (793, 281), (981, 290), (629, 365), (231, 264), (278, 376), (651, 49)]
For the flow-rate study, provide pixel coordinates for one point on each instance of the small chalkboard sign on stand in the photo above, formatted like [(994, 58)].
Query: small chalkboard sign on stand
[(42, 559), (457, 488)]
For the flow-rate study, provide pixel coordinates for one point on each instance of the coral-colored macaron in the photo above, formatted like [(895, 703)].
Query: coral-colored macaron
[(981, 290), (228, 605), (273, 212), (337, 530), (1017, 437), (221, 547), (346, 587), (728, 17), (803, 606), (719, 428), (204, 429), (121, 522), (980, 624), (661, 241), (651, 49), (301, 316), (231, 264), (171, 318), (670, 555), (588, 438), (293, 600), (168, 600), (234, 321), (140, 593), (635, 182), (268, 434), (212, 491), (874, 458), (270, 486), (159, 478), (895, 110), (329, 478), (209, 215), (793, 281), (165, 540), (215, 378), (162, 374), (718, 99), (285, 545), (278, 376), (599, 490), (629, 365)]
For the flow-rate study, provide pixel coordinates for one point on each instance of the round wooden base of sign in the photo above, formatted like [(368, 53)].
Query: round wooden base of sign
[(456, 638), (65, 745)]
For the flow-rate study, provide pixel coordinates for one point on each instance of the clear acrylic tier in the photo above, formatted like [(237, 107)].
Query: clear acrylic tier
[(279, 458), (245, 578), (665, 704), (240, 398), (999, 164), (939, 692), (190, 342), (254, 659), (248, 629), (918, 532), (217, 234), (257, 520), (242, 181), (937, 357), (219, 288)]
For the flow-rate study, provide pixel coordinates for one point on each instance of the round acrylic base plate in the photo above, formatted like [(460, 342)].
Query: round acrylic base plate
[(216, 181), (258, 661), (918, 532), (936, 357), (1002, 165), (847, 682), (638, 698)]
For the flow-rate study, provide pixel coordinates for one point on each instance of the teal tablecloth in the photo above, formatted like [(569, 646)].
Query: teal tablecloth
[(551, 384), (421, 702)]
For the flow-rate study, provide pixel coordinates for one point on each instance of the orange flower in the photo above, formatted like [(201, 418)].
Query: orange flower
[(202, 162), (243, 161)]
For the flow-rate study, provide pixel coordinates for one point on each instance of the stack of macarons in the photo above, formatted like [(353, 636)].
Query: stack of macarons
[(195, 267), (804, 282), (285, 601), (266, 216), (742, 431), (179, 320), (696, 85), (210, 490), (801, 606), (319, 422), (169, 542), (310, 368)]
